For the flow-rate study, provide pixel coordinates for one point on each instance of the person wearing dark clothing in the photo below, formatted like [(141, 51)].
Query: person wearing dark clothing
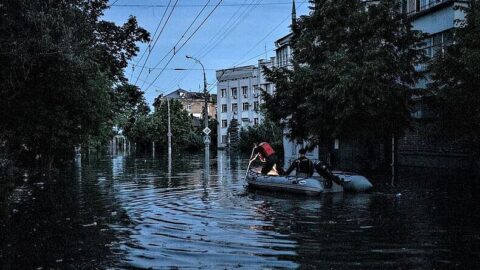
[(268, 156), (302, 165), (323, 170)]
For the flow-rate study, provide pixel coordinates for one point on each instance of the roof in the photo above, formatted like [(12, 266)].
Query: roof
[(184, 94)]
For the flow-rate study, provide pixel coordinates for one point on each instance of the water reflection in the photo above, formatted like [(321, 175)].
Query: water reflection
[(185, 211)]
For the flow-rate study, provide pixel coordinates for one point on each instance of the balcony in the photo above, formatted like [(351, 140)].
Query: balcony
[(415, 8)]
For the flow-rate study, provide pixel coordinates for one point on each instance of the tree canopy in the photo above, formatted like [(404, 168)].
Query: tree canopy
[(353, 66), (60, 62), (456, 80)]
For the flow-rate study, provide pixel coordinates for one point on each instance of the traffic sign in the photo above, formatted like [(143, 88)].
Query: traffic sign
[(207, 131), (169, 134), (206, 140)]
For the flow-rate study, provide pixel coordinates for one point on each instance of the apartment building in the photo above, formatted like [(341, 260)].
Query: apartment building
[(239, 97), (437, 19)]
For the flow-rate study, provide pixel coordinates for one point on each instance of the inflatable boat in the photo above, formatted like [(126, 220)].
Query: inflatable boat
[(314, 185)]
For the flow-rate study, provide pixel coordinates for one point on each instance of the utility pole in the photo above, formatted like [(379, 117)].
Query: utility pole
[(169, 134), (206, 130)]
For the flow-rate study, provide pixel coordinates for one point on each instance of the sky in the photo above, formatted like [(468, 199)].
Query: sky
[(231, 34)]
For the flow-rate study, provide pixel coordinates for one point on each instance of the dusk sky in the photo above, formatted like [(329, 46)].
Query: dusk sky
[(234, 33)]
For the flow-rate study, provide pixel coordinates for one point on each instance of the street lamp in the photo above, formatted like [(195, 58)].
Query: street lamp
[(206, 130)]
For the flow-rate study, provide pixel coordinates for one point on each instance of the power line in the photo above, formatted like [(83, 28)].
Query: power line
[(230, 29), (183, 35), (153, 37), (113, 3), (218, 4), (161, 31), (199, 5), (256, 56), (223, 32)]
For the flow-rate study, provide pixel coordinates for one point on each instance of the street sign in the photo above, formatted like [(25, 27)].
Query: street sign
[(207, 131), (206, 140)]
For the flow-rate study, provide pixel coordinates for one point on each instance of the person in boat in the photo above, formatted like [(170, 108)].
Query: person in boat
[(264, 151), (302, 165), (324, 171)]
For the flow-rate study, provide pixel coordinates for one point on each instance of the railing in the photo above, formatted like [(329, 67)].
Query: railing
[(412, 7)]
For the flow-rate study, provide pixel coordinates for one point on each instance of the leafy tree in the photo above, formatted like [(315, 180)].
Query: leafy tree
[(264, 132), (456, 81), (180, 123), (353, 68), (213, 124), (59, 64), (233, 135), (129, 103)]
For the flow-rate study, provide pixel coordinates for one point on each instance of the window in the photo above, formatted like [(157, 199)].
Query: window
[(224, 123), (255, 105), (245, 122), (234, 92), (245, 91), (234, 107), (437, 43), (267, 87), (224, 107), (224, 138), (223, 92), (189, 107), (411, 6), (246, 106), (255, 121)]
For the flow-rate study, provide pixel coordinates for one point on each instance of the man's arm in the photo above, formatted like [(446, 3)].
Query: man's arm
[(292, 167)]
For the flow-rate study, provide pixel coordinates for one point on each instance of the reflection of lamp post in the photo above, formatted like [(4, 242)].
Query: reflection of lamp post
[(205, 113)]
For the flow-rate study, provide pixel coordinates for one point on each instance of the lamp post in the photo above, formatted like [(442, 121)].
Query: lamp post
[(206, 130)]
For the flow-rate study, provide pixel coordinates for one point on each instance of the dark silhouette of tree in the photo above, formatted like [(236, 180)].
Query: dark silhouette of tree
[(60, 61)]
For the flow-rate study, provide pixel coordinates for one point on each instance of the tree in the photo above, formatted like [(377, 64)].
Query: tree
[(233, 135), (353, 69), (456, 81), (180, 122), (128, 104), (59, 64), (264, 132)]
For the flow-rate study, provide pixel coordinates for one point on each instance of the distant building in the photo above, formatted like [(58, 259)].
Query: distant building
[(193, 102), (239, 97)]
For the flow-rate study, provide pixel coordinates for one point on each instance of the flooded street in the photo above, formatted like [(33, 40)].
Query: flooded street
[(127, 212)]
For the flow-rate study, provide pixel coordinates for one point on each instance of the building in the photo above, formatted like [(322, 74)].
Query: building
[(437, 19), (239, 97), (193, 102)]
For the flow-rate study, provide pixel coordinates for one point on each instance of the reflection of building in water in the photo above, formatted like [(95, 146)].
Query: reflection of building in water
[(119, 142), (118, 166)]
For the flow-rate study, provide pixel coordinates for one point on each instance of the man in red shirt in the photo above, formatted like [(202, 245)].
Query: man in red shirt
[(268, 156)]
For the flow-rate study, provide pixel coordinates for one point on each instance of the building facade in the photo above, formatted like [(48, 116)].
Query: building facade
[(193, 102), (239, 97), (437, 19)]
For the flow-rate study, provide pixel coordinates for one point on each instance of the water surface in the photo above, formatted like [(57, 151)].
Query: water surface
[(126, 212)]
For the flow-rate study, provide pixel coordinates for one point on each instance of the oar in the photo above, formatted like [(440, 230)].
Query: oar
[(249, 163)]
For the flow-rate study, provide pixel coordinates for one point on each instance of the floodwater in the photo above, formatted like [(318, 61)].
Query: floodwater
[(124, 212)]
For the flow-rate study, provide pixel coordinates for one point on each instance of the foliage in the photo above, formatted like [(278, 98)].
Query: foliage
[(264, 132), (213, 124), (353, 68), (129, 103), (153, 127), (233, 135), (59, 63), (456, 81)]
